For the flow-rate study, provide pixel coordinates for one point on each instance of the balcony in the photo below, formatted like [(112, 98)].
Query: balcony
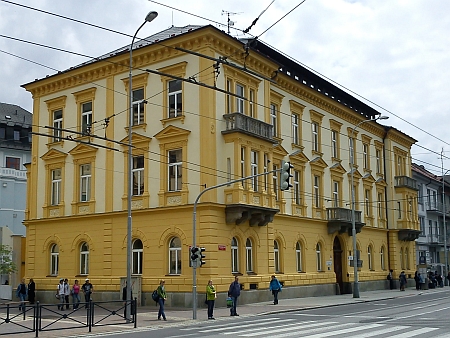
[(408, 235), (17, 174), (434, 207), (340, 219), (435, 239), (405, 182), (255, 215), (238, 122)]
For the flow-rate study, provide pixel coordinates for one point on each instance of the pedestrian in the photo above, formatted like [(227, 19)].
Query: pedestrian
[(421, 281), (448, 278), (417, 280), (60, 294), (124, 298), (402, 280), (275, 287), (234, 292), (210, 298), (75, 295), (31, 291), (87, 289), (66, 293), (162, 298), (390, 278), (22, 293)]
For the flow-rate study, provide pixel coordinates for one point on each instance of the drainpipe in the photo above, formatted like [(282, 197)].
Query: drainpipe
[(386, 128)]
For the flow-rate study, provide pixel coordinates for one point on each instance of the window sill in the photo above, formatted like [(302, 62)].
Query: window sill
[(172, 119), (251, 273), (297, 146), (317, 153), (52, 276), (137, 127)]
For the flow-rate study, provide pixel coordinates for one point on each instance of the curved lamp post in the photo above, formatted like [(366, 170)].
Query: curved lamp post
[(443, 217), (150, 17), (355, 258)]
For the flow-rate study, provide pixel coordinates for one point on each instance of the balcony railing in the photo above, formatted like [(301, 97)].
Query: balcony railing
[(8, 172), (405, 181), (248, 125), (342, 215), (435, 238), (434, 206)]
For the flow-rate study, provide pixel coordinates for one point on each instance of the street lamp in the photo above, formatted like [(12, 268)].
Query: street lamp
[(443, 216), (150, 16), (355, 257)]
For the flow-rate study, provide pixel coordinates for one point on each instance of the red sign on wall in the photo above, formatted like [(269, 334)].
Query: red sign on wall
[(222, 247)]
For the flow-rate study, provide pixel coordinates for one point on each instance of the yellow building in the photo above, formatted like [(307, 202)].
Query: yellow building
[(190, 136)]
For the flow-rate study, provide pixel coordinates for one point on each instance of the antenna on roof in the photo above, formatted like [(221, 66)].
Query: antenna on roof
[(229, 22)]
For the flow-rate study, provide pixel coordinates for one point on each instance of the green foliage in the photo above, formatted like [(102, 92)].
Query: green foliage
[(7, 266)]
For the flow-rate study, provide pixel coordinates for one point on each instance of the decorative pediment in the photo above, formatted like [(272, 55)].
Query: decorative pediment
[(83, 150), (318, 162), (368, 178), (138, 140), (337, 168), (54, 155), (172, 132), (356, 174), (299, 156), (279, 151), (381, 182)]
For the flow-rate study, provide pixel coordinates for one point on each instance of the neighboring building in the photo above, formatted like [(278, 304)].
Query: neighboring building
[(189, 137), (430, 251)]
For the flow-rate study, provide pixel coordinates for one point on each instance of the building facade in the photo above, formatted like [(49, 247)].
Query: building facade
[(218, 109)]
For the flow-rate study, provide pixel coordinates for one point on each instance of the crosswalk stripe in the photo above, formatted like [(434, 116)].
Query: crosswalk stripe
[(290, 329), (297, 326), (382, 331), (252, 321), (208, 329), (414, 333), (334, 333)]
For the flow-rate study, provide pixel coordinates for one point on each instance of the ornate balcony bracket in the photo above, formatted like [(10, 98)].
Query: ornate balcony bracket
[(239, 213), (408, 235), (340, 220)]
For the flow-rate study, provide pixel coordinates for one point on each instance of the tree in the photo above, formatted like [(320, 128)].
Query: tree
[(7, 265)]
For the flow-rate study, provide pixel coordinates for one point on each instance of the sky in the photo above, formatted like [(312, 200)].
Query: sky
[(391, 54)]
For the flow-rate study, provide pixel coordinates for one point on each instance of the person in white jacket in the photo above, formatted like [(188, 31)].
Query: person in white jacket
[(60, 294)]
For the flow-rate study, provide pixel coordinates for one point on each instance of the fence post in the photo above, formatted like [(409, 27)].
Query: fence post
[(134, 307), (89, 319), (36, 318)]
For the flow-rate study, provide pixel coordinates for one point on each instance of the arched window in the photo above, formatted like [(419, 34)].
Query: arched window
[(54, 260), (249, 255), (137, 252), (383, 265), (276, 256), (234, 255), (84, 259), (298, 256), (369, 257), (175, 256), (319, 257)]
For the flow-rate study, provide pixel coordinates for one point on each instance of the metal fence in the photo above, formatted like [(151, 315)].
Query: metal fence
[(48, 317)]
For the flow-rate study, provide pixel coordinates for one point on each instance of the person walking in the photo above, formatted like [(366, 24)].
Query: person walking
[(60, 294), (161, 299), (87, 289), (210, 298), (390, 278), (275, 287), (234, 292), (417, 280), (66, 293), (402, 280), (75, 295), (22, 293), (31, 291)]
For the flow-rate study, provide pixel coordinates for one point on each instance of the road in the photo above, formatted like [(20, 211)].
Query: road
[(424, 314)]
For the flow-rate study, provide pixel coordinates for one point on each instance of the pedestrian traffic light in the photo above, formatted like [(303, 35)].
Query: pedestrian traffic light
[(195, 255), (285, 175), (200, 260)]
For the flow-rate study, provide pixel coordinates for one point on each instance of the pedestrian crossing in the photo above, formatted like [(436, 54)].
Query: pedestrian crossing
[(280, 328)]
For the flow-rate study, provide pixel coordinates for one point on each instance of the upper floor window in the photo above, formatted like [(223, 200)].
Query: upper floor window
[(16, 135), (378, 159), (240, 98), (249, 255), (54, 260), (334, 144), (138, 175), (422, 225), (86, 118), (276, 256), (352, 150), (335, 194), (85, 182), (295, 129), (13, 162), (380, 205), (57, 125), (55, 198), (137, 255), (420, 193), (367, 201), (251, 103), (175, 98), (175, 256), (274, 118), (138, 106), (275, 181), (365, 156), (84, 259), (298, 257), (317, 191), (315, 136), (234, 255), (254, 169), (297, 196), (175, 174)]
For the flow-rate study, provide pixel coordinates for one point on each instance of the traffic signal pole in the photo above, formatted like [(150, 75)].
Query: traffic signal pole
[(194, 227)]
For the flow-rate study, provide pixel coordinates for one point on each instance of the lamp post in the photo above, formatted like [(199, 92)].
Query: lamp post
[(150, 16), (355, 257), (443, 216)]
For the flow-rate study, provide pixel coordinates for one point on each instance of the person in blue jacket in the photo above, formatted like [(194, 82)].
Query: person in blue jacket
[(22, 293), (275, 287), (234, 292)]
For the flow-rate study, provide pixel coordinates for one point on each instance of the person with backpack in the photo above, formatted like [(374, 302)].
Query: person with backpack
[(234, 292), (161, 299), (275, 287), (87, 289), (22, 293)]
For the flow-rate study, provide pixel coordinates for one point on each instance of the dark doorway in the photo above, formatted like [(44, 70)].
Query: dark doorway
[(337, 260)]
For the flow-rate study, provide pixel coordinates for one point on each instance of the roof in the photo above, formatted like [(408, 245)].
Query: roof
[(13, 115), (420, 169)]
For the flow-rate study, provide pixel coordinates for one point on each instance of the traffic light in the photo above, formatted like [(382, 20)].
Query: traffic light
[(285, 175), (200, 260), (195, 255)]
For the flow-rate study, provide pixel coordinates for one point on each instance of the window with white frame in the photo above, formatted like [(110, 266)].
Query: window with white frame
[(295, 129), (234, 256), (85, 182), (422, 225), (243, 166), (251, 103), (352, 150), (54, 260), (275, 181), (420, 193), (229, 108), (57, 125), (84, 259), (382, 259), (254, 169), (316, 191), (315, 136), (399, 210), (276, 256), (367, 201), (334, 144), (319, 257), (266, 169), (175, 256), (137, 251), (274, 118), (378, 160), (240, 103), (138, 175), (335, 194), (298, 257), (297, 196), (175, 174), (369, 257), (86, 118), (249, 255), (16, 135), (365, 156), (175, 98), (13, 162), (138, 106), (55, 198)]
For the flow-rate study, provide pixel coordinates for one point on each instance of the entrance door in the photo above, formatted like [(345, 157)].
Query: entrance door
[(337, 260)]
